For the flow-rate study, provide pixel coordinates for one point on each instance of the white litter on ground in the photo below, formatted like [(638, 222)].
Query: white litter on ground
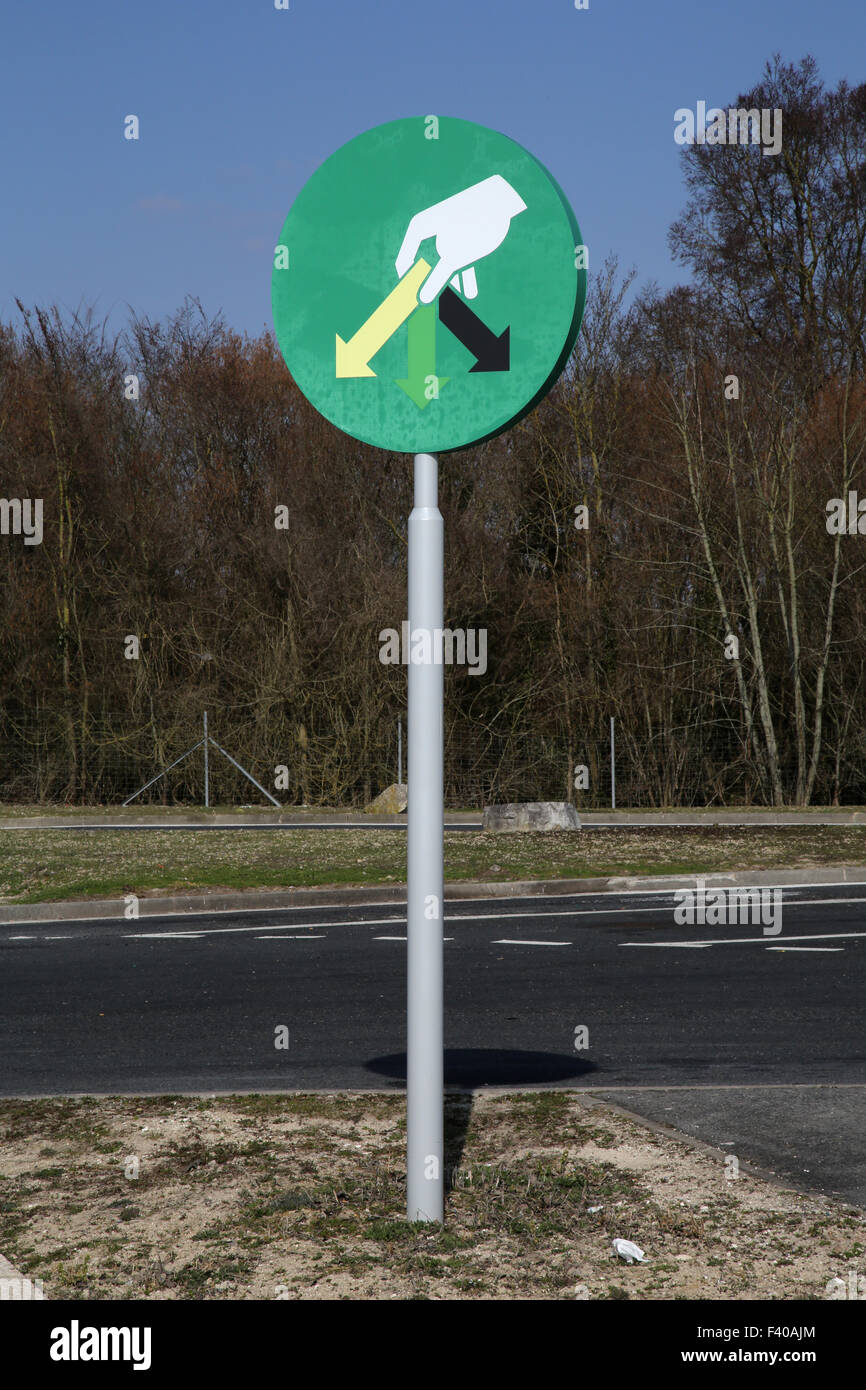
[(628, 1251)]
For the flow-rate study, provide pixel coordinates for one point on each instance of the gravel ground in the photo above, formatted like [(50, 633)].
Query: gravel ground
[(300, 1197)]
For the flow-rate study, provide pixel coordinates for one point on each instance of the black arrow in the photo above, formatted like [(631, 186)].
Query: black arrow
[(491, 354)]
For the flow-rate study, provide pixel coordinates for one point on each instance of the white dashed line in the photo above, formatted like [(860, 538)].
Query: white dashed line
[(403, 938), (686, 945), (805, 948), (504, 941), (166, 936)]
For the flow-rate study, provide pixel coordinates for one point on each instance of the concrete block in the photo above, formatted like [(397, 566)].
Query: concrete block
[(531, 815)]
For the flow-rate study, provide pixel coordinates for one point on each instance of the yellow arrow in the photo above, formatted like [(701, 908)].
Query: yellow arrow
[(353, 356)]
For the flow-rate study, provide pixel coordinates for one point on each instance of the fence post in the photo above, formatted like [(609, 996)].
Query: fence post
[(399, 751), (206, 770), (612, 765)]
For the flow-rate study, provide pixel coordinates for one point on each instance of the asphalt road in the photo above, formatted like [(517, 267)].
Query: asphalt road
[(755, 1043)]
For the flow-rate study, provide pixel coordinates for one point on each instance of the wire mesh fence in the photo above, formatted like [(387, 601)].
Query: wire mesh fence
[(689, 767), (108, 759)]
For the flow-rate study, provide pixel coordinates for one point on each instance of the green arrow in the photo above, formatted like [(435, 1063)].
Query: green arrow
[(422, 358)]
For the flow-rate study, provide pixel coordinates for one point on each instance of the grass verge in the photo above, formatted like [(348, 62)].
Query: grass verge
[(52, 865)]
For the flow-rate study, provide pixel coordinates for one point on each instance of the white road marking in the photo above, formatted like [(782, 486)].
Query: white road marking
[(519, 910), (752, 940), (403, 938), (818, 902), (711, 883), (504, 941), (291, 938), (165, 936), (669, 945), (278, 926), (365, 922), (805, 948), (620, 911), (498, 916)]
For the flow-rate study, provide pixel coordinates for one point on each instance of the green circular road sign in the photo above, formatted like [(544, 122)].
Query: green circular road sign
[(428, 285)]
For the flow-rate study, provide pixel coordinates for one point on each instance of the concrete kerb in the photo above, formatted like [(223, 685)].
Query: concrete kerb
[(298, 819), (264, 900), (193, 820)]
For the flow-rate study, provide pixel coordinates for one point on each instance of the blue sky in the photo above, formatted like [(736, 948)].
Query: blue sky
[(239, 103)]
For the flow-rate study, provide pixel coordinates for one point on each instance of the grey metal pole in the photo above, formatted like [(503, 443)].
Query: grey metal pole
[(612, 767), (162, 774), (425, 1178), (249, 776), (206, 783), (399, 752)]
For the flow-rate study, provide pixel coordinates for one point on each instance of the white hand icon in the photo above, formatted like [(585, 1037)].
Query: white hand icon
[(467, 226)]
